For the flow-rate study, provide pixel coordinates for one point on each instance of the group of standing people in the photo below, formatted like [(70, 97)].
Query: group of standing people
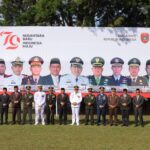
[(45, 106)]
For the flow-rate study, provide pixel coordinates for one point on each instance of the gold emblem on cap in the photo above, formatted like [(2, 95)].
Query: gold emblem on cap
[(97, 60), (116, 60), (36, 59), (134, 60), (77, 60), (17, 59)]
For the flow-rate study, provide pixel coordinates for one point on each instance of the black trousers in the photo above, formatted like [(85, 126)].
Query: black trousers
[(125, 116), (4, 112), (101, 111), (62, 115), (16, 111), (50, 116), (27, 110), (89, 112), (138, 113)]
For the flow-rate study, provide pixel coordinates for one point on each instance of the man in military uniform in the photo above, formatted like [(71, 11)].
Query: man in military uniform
[(39, 102), (50, 106), (75, 100), (97, 68), (27, 99), (113, 102), (62, 101), (138, 101), (101, 103), (148, 72), (4, 105), (3, 76), (134, 68), (75, 78), (16, 98), (54, 77), (35, 68), (125, 100), (89, 101), (16, 77), (117, 79)]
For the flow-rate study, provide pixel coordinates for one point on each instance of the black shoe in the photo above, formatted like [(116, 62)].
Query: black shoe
[(98, 124), (111, 124), (86, 124), (136, 125), (116, 124), (142, 125)]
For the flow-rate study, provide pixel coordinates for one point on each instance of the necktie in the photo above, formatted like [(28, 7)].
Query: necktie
[(134, 79), (117, 82), (76, 79), (35, 80), (97, 81)]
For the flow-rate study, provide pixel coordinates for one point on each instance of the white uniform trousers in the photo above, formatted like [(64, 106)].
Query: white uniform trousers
[(39, 112), (75, 115)]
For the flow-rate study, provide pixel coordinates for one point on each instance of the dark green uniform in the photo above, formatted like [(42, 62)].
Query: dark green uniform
[(138, 111), (125, 101), (89, 101), (27, 107), (50, 111)]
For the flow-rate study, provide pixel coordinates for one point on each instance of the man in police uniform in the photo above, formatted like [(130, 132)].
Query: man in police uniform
[(97, 68), (50, 106), (101, 103), (35, 68), (62, 101), (125, 100), (16, 77), (113, 103), (54, 77), (2, 72), (138, 101), (75, 100), (75, 78), (39, 101), (16, 98), (89, 101), (117, 79), (148, 72), (134, 68), (4, 105), (27, 99)]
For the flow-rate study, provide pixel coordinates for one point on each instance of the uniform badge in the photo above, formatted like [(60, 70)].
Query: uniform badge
[(77, 60), (97, 60)]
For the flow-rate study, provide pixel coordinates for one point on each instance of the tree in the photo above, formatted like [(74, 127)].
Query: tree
[(130, 13)]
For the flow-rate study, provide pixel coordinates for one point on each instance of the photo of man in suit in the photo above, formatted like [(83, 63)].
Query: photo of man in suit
[(134, 68), (2, 71), (97, 68), (148, 72), (54, 77), (35, 68)]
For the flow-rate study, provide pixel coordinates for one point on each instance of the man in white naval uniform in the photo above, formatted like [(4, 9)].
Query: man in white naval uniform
[(75, 78), (75, 100), (39, 100), (16, 77)]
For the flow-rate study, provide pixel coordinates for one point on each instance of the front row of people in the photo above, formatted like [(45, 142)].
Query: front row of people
[(45, 104)]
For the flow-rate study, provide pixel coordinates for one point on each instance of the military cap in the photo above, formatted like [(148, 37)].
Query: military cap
[(102, 88), (97, 61), (17, 61), (76, 61), (54, 61), (51, 88), (4, 88), (2, 61), (134, 62), (148, 62), (125, 90), (76, 87), (40, 86), (89, 88), (36, 61), (28, 87), (117, 61), (113, 89)]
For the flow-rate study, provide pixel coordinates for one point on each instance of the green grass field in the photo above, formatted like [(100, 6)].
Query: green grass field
[(56, 137)]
